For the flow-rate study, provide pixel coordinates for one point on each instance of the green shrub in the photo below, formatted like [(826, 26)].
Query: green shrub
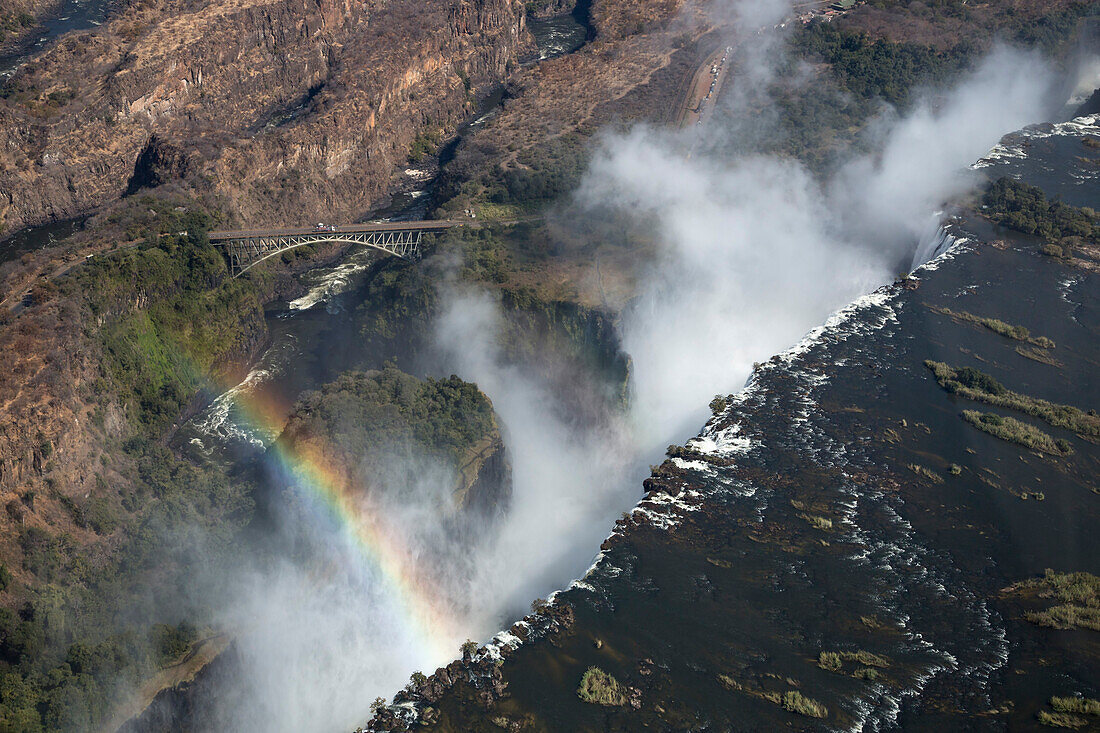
[(172, 642), (1061, 720), (1019, 333), (599, 688), (982, 388), (1025, 208)]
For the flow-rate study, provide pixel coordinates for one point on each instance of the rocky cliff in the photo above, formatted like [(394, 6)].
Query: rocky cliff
[(294, 110)]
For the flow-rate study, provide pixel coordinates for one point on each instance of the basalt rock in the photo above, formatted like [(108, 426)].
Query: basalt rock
[(294, 110), (160, 162)]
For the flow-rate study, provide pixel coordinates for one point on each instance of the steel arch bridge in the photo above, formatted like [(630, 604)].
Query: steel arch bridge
[(246, 248)]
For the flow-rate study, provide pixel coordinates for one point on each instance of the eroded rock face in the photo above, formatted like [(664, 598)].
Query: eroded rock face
[(292, 109)]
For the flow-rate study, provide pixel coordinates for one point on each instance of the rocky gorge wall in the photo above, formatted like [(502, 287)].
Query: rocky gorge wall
[(294, 110)]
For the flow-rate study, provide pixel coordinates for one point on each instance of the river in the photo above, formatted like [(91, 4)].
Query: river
[(74, 15), (805, 525)]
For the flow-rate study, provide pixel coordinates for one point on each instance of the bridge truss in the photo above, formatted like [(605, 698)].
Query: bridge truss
[(244, 250)]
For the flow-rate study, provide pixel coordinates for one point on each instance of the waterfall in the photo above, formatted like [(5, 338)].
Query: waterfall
[(934, 242)]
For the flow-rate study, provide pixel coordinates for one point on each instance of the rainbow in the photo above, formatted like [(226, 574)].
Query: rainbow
[(379, 545)]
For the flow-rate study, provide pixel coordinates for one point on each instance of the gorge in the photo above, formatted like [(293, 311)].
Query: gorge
[(264, 502)]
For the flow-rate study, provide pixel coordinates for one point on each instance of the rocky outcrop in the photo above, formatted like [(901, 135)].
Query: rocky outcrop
[(375, 431), (485, 477), (292, 109), (160, 162)]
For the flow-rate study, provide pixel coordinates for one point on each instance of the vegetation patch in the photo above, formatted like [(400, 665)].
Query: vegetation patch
[(1026, 208), (1018, 333), (1014, 431), (599, 688), (818, 522), (980, 387), (795, 702), (1061, 720), (1069, 712), (927, 473), (1082, 705), (1077, 596), (1039, 355), (834, 662), (361, 410)]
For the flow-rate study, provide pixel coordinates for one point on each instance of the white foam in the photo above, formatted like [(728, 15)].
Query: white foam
[(1012, 146)]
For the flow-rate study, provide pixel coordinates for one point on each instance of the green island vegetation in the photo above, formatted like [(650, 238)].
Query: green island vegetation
[(978, 386), (1069, 712), (1019, 333), (1026, 208), (600, 688), (1077, 596), (834, 661), (795, 702), (370, 410), (1014, 431)]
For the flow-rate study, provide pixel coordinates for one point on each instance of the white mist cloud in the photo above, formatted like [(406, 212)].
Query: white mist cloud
[(752, 253), (567, 479), (887, 198), (747, 264)]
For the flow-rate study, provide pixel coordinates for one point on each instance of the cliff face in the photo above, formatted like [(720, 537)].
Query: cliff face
[(294, 110)]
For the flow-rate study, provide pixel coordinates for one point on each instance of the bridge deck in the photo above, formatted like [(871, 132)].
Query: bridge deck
[(386, 226)]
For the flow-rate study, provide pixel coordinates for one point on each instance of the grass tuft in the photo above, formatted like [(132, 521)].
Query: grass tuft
[(1082, 705), (1078, 595), (1014, 431), (1019, 333), (796, 702)]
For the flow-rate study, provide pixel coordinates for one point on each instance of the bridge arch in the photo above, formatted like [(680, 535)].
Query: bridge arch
[(246, 248)]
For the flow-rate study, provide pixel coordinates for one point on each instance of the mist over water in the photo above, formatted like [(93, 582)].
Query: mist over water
[(751, 252)]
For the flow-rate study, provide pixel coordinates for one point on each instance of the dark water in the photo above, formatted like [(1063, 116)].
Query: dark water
[(1054, 157), (711, 601), (35, 238), (75, 15), (314, 339), (559, 34)]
